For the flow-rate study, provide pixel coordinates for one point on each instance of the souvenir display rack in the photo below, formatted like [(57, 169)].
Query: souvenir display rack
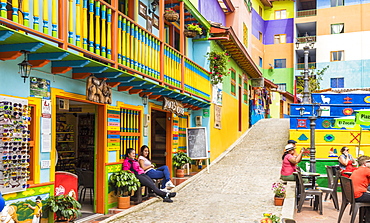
[(65, 144), (14, 144), (86, 141)]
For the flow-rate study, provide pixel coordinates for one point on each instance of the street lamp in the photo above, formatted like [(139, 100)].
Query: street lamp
[(313, 119), (309, 43)]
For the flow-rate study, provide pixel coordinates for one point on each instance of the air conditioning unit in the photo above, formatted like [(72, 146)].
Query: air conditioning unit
[(63, 104), (198, 121), (146, 120)]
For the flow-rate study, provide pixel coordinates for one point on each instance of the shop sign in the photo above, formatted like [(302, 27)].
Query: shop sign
[(257, 82), (347, 122), (363, 117), (206, 113), (173, 106), (98, 91)]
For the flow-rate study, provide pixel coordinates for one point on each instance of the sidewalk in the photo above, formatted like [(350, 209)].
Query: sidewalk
[(330, 214)]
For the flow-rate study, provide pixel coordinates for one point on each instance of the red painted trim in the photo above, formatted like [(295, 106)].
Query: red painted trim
[(125, 88), (41, 184), (38, 63), (154, 96), (135, 91), (60, 70), (115, 163), (113, 84), (11, 55)]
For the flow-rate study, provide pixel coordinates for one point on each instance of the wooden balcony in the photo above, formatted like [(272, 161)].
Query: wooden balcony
[(306, 13), (102, 34)]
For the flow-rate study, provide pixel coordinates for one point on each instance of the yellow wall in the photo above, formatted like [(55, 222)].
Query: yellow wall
[(275, 106), (221, 139), (342, 138), (269, 13)]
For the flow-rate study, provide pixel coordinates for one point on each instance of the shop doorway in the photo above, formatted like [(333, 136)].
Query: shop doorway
[(158, 137), (75, 150)]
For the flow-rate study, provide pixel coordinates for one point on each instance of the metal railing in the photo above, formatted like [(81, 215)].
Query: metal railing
[(311, 65), (306, 13)]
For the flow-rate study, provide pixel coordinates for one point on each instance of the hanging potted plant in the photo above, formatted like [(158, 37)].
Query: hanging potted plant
[(279, 191), (192, 30), (217, 66), (179, 160), (171, 15), (124, 183), (65, 207)]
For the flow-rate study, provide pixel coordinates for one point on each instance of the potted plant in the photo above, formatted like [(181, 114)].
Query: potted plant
[(270, 218), (217, 65), (179, 160), (171, 15), (65, 207), (192, 30), (124, 183), (279, 191)]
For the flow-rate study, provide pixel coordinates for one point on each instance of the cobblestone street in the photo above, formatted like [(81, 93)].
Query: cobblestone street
[(237, 189)]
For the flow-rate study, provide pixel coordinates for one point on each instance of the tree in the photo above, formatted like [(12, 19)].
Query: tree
[(314, 79)]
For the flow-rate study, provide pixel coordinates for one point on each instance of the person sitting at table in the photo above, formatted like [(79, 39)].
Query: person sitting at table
[(290, 162), (344, 160), (160, 172), (131, 164), (361, 180)]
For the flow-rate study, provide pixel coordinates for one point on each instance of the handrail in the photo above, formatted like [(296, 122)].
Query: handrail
[(306, 13), (91, 26)]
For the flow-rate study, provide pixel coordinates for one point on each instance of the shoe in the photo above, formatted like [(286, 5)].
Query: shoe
[(165, 190), (167, 199), (170, 185), (173, 194)]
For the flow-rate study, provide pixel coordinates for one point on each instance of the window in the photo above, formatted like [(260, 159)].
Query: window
[(280, 14), (245, 35), (260, 62), (248, 4), (130, 130), (335, 3), (260, 36), (260, 10), (280, 63), (233, 81), (280, 38), (245, 88), (337, 82), (337, 28), (281, 87), (337, 55)]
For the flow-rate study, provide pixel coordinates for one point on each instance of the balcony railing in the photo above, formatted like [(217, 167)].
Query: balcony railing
[(311, 65), (306, 13), (304, 39), (99, 31)]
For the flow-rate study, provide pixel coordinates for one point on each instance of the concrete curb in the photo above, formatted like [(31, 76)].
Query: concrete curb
[(182, 185), (289, 201)]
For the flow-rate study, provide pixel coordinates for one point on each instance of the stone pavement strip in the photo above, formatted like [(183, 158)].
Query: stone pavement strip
[(237, 188)]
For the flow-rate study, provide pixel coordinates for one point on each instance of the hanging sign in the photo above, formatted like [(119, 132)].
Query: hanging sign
[(346, 122), (363, 117), (257, 82), (173, 106)]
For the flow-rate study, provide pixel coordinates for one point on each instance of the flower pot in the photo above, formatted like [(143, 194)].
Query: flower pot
[(190, 33), (278, 201), (123, 202), (171, 17), (180, 173)]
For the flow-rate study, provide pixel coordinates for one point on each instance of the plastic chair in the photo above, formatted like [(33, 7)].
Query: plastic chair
[(332, 190), (305, 192), (287, 220), (331, 171), (349, 198)]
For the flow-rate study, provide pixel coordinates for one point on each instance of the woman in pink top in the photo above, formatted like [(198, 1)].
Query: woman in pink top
[(159, 173), (289, 163), (133, 165)]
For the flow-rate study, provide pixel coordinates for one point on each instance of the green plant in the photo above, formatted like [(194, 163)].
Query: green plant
[(217, 65), (279, 189), (180, 159), (270, 218), (314, 79), (123, 182), (64, 206), (195, 27)]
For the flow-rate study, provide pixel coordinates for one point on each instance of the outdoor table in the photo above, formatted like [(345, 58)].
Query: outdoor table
[(312, 176)]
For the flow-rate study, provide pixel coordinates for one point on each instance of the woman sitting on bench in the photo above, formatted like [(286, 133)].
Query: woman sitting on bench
[(160, 172), (133, 165)]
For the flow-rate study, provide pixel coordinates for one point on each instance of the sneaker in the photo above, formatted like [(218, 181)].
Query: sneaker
[(165, 190), (169, 184), (167, 199), (173, 194)]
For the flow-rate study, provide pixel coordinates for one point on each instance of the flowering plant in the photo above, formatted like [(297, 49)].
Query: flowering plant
[(170, 10), (279, 189), (195, 27), (217, 66), (270, 218)]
